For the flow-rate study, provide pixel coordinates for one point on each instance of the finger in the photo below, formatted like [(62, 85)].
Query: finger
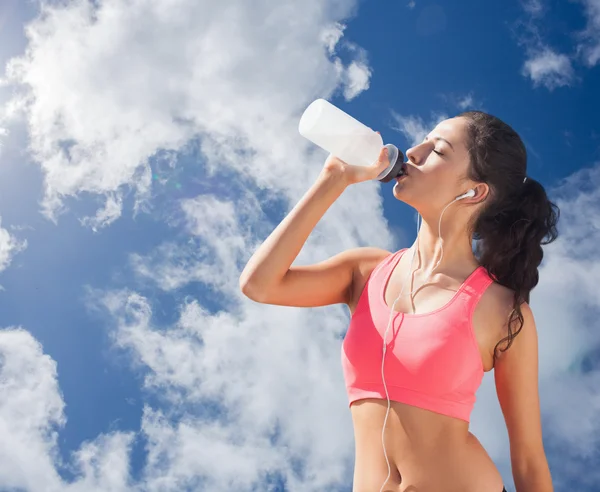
[(384, 157)]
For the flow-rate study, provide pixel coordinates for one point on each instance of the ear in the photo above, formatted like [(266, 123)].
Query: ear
[(482, 190)]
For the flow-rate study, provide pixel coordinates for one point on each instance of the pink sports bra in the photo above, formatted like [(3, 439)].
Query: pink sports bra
[(432, 360)]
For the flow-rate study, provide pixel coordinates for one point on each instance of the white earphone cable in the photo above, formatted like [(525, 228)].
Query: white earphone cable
[(392, 311)]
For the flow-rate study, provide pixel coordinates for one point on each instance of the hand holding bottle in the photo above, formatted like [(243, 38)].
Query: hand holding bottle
[(351, 174)]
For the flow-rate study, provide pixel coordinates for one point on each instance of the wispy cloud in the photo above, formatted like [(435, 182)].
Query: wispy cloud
[(356, 76), (9, 247), (415, 128), (589, 46), (533, 7), (3, 134), (549, 69), (546, 66), (464, 101), (356, 79)]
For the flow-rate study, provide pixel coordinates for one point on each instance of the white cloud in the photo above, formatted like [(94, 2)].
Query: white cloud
[(465, 102), (3, 134), (32, 413), (356, 76), (189, 456), (31, 407), (256, 385), (411, 4), (533, 7), (331, 35), (108, 214), (590, 37), (415, 128), (357, 79), (548, 68), (9, 247), (102, 464), (180, 70), (138, 79), (269, 380)]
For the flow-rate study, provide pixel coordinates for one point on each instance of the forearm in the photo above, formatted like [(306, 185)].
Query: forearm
[(533, 478), (272, 260)]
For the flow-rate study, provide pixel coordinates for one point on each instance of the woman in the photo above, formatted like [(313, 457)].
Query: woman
[(447, 314)]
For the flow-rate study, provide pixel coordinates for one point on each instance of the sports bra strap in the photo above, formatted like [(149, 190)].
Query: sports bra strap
[(476, 285)]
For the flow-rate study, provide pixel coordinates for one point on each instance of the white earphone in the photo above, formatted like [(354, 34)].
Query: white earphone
[(469, 194)]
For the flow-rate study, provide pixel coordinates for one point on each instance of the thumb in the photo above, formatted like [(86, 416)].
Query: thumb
[(383, 156), (383, 160)]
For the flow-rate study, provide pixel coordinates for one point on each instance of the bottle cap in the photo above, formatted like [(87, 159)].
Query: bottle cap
[(395, 168)]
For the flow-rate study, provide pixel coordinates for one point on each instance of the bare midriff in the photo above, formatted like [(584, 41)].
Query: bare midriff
[(427, 452)]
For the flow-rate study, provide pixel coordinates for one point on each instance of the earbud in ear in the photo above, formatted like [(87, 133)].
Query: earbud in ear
[(468, 194)]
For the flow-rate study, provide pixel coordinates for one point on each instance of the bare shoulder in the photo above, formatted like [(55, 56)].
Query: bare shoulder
[(501, 304), (490, 318), (367, 259), (496, 304)]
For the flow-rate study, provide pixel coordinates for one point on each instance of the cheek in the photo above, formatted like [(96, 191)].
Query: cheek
[(437, 170), (439, 184), (445, 168)]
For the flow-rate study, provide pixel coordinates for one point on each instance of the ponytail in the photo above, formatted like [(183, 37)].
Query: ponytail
[(511, 233), (518, 218)]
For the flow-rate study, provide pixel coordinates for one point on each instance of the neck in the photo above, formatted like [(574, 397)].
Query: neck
[(457, 245)]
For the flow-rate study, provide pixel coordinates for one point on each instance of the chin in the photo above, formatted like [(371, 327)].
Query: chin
[(399, 191), (404, 195)]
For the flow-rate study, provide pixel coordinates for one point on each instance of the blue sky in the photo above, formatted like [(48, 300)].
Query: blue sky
[(146, 149)]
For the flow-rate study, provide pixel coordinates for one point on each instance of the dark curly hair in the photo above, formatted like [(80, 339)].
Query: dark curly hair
[(517, 218)]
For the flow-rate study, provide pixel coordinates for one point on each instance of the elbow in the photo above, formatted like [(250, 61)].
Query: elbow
[(249, 289), (245, 286), (258, 288)]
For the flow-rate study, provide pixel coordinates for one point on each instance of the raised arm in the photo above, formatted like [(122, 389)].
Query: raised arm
[(269, 277)]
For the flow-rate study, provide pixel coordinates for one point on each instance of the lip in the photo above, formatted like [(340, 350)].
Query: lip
[(405, 173)]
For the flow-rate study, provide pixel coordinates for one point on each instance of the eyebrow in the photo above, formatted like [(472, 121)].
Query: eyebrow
[(442, 139)]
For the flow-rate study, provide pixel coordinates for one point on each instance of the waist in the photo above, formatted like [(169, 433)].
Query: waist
[(424, 447), (411, 428)]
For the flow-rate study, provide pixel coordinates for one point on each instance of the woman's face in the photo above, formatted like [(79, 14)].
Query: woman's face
[(436, 168)]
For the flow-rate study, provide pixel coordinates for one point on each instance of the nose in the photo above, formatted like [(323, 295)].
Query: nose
[(418, 153), (415, 154)]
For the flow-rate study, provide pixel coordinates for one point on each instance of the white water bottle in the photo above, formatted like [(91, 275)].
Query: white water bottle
[(347, 138)]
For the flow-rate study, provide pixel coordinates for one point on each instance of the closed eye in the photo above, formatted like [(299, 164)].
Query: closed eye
[(438, 153)]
